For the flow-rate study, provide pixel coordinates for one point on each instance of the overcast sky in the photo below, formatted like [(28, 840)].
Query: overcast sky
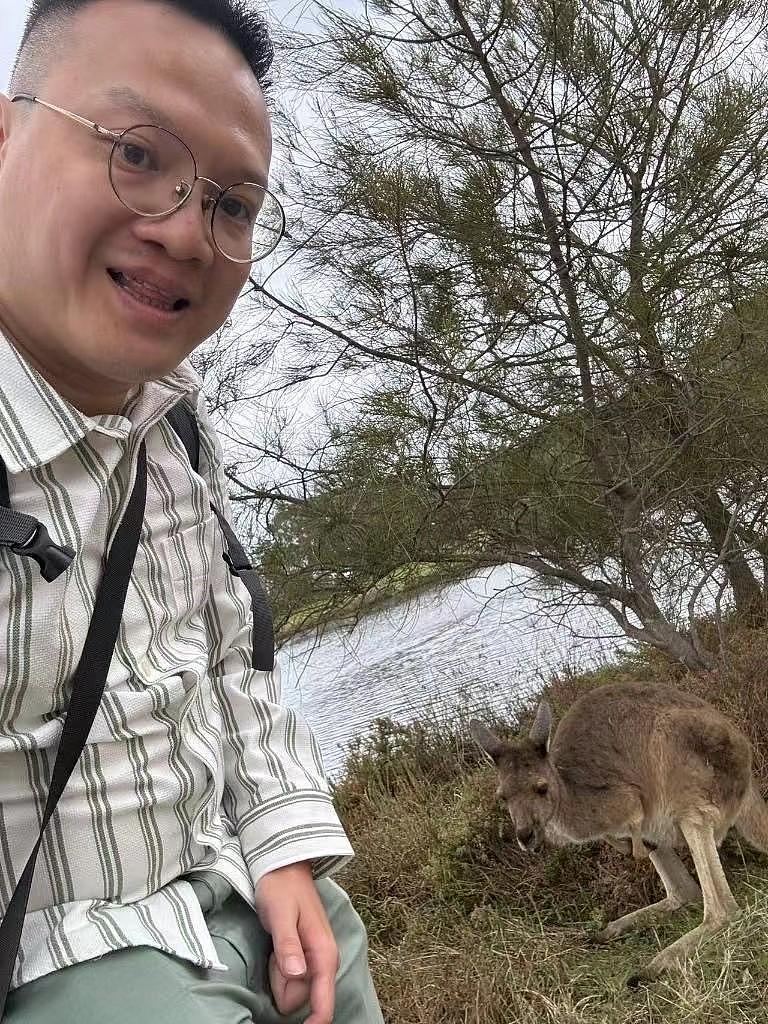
[(11, 24)]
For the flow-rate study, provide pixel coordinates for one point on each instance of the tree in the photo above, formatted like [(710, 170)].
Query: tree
[(535, 234)]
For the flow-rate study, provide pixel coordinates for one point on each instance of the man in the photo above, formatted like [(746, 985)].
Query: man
[(195, 833)]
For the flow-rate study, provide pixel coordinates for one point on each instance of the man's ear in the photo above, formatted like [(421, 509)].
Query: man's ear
[(6, 119)]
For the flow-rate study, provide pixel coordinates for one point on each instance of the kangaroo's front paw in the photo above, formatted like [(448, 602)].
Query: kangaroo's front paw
[(612, 931), (592, 938), (640, 977)]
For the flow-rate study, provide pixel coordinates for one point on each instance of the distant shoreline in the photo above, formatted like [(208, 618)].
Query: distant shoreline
[(421, 577)]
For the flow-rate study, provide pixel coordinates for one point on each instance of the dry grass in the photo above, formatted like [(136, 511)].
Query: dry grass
[(464, 927)]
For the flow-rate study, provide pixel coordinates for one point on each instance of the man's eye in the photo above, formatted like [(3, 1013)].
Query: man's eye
[(237, 209), (135, 156)]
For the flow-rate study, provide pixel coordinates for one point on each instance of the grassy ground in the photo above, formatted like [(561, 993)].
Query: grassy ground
[(464, 927)]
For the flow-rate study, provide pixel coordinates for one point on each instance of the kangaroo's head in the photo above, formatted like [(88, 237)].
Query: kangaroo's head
[(527, 778)]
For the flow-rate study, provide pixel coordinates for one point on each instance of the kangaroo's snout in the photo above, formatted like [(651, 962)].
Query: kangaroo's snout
[(528, 839)]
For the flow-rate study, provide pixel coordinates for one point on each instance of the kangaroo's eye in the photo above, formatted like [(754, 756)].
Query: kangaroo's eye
[(541, 788)]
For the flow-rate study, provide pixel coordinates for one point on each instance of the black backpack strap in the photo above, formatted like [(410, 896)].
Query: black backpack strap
[(88, 684), (26, 536), (263, 655), (184, 422)]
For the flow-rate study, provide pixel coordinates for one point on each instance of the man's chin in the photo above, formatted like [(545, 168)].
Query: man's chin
[(137, 363)]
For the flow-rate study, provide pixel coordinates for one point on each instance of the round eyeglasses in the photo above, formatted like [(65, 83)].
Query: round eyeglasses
[(153, 173)]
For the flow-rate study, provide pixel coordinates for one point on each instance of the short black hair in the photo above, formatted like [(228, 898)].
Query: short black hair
[(237, 20)]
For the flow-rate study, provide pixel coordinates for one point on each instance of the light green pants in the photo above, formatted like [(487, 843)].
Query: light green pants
[(143, 985)]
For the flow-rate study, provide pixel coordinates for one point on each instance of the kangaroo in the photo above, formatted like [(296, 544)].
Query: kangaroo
[(646, 768)]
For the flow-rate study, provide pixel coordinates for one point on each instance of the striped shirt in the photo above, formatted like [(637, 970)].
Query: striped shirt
[(192, 763)]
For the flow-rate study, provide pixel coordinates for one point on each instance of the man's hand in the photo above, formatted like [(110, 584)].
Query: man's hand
[(305, 960)]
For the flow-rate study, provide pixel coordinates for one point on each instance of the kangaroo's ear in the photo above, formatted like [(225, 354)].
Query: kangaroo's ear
[(486, 740), (541, 730)]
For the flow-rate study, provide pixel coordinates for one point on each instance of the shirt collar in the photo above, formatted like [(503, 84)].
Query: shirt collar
[(37, 424)]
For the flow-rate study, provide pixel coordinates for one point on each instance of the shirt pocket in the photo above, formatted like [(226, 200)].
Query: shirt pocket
[(186, 557), (140, 714)]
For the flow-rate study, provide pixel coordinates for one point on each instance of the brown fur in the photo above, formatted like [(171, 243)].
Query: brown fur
[(646, 768)]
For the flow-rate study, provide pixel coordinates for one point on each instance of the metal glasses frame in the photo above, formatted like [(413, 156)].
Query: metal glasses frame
[(208, 200)]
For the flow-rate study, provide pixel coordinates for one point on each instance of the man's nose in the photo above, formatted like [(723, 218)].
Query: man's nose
[(186, 232)]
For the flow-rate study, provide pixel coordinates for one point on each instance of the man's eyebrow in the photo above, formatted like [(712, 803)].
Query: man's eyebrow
[(126, 96)]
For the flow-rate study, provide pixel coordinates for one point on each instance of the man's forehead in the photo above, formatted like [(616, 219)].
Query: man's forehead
[(144, 61)]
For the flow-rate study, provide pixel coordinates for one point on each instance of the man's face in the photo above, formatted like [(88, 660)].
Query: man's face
[(62, 228)]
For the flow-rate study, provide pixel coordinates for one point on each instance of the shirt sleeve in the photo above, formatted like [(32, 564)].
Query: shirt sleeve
[(276, 793)]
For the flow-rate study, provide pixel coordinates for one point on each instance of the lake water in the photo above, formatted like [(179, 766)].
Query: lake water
[(478, 642)]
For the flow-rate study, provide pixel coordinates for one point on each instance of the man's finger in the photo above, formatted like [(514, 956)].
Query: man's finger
[(322, 994), (289, 994), (323, 956)]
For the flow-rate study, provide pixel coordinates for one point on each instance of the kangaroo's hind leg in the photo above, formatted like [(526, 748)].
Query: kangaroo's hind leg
[(680, 887), (719, 905)]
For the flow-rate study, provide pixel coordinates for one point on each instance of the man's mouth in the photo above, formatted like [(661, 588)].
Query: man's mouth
[(146, 293)]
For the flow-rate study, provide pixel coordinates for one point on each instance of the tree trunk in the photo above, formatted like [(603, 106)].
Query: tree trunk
[(747, 593)]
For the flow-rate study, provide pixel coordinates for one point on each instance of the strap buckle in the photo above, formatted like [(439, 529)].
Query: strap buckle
[(53, 559), (234, 567)]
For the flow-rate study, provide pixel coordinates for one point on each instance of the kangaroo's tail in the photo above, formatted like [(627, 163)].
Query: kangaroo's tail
[(752, 822)]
